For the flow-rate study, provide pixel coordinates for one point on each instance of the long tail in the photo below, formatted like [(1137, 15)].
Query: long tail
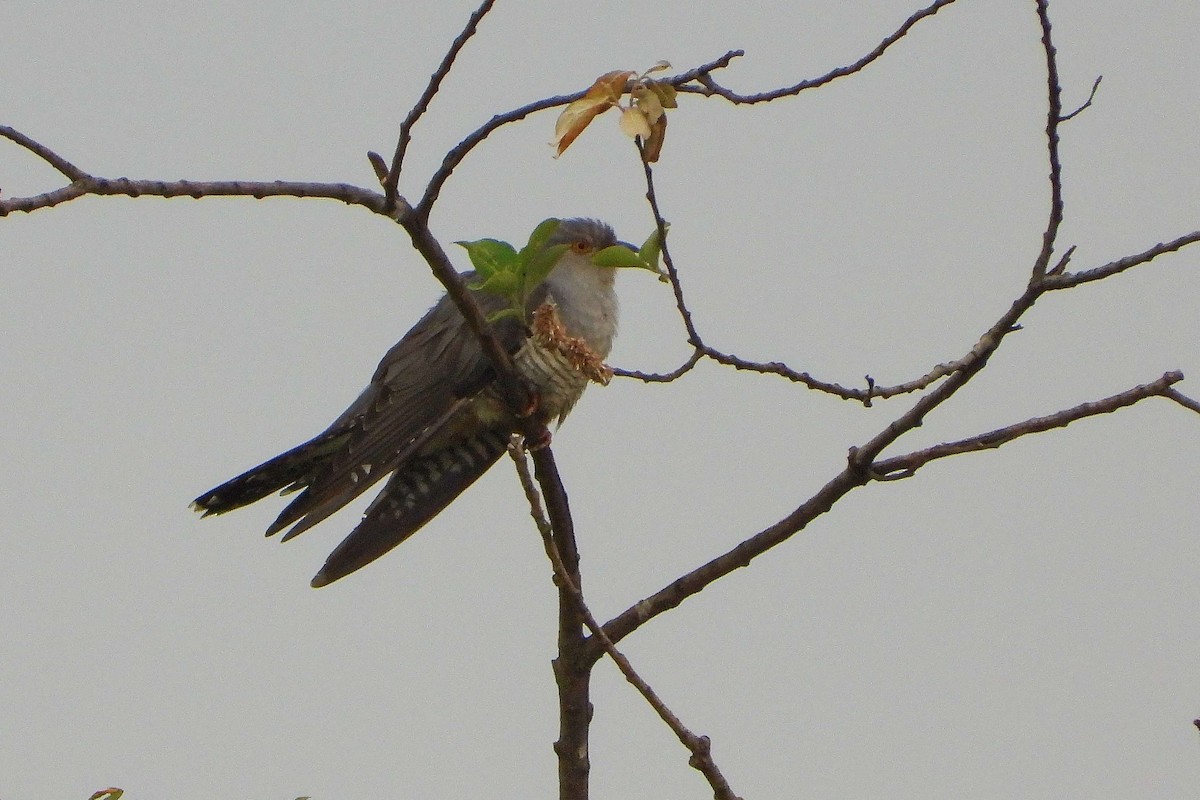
[(288, 471), (412, 496)]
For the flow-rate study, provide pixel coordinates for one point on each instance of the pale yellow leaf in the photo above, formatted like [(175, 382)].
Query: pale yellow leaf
[(649, 104), (666, 93), (634, 123)]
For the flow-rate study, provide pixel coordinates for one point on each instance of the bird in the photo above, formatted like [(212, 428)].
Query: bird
[(432, 417)]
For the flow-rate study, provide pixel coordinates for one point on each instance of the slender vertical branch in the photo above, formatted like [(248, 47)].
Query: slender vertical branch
[(1054, 116), (672, 274), (699, 746), (392, 181), (572, 672)]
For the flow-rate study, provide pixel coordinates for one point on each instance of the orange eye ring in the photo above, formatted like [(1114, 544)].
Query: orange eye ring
[(581, 247)]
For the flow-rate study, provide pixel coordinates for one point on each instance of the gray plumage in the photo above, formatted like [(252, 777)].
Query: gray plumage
[(430, 417)]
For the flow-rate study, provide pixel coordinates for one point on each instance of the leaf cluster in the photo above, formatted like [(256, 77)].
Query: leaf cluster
[(513, 274), (645, 117)]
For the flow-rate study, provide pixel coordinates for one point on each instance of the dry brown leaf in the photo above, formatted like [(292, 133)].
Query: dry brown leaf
[(602, 95), (653, 143)]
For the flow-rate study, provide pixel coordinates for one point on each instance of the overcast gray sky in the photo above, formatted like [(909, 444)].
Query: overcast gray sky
[(1020, 623)]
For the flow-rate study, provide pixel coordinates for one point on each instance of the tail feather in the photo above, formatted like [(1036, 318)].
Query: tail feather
[(284, 473), (412, 496), (348, 473)]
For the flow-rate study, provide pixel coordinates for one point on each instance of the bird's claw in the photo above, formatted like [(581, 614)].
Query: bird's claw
[(540, 442)]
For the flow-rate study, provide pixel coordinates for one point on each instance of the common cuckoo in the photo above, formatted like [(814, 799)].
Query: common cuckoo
[(432, 417)]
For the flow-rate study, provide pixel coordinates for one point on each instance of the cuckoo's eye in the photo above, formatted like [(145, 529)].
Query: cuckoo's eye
[(581, 246)]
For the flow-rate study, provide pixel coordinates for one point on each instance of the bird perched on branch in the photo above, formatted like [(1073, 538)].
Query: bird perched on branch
[(432, 417)]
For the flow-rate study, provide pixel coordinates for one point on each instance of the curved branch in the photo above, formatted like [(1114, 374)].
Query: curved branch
[(460, 151), (90, 185), (861, 466), (711, 87), (40, 150), (1054, 116), (854, 476), (1182, 399), (907, 465), (83, 184), (1070, 279), (699, 746), (392, 180)]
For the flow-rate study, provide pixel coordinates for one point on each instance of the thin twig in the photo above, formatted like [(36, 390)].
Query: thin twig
[(711, 87), (1053, 118), (672, 274), (1069, 279), (860, 466), (422, 105), (660, 377), (86, 185), (907, 465), (1086, 104), (460, 151), (40, 150), (1182, 399), (699, 746)]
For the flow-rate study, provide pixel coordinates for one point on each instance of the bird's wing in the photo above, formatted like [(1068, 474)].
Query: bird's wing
[(418, 388)]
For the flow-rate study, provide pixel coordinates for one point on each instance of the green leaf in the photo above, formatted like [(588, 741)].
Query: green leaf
[(541, 263), (651, 249), (618, 256), (537, 240), (505, 284), (490, 256), (536, 259)]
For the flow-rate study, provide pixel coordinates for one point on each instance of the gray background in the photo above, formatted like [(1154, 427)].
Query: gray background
[(1013, 624)]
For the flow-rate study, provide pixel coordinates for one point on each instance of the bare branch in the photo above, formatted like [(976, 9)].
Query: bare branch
[(1067, 280), (1053, 118), (1062, 262), (89, 185), (1086, 104), (422, 105), (672, 274), (739, 556), (711, 87), (858, 472), (660, 377), (40, 150), (699, 746), (864, 396), (1182, 399), (907, 465), (378, 165), (459, 152), (704, 69), (701, 350), (860, 462)]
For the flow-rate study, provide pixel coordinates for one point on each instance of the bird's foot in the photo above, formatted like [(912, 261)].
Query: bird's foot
[(539, 442)]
